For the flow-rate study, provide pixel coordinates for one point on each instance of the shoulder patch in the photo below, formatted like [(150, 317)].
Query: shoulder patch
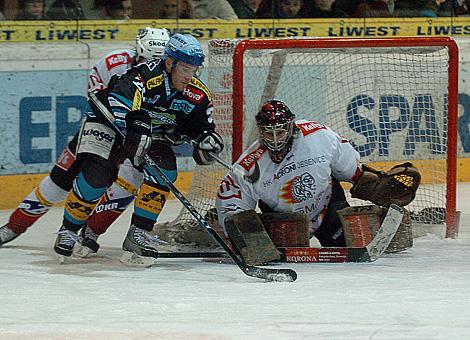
[(118, 59), (154, 82), (200, 85), (310, 127), (250, 160)]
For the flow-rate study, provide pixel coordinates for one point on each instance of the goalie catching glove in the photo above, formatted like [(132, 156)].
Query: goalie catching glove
[(398, 185), (207, 143)]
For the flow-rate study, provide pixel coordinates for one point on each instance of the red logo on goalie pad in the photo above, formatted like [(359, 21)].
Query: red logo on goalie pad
[(250, 159), (310, 127)]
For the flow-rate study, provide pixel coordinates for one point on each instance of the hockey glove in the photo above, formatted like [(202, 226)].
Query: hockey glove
[(208, 142), (168, 133), (398, 185), (138, 137)]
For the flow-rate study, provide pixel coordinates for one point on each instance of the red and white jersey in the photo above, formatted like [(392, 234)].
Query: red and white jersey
[(115, 63), (300, 183)]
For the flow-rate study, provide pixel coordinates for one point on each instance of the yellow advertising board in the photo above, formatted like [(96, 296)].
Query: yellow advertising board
[(107, 30)]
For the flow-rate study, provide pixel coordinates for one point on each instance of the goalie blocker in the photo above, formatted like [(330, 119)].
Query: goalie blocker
[(262, 238)]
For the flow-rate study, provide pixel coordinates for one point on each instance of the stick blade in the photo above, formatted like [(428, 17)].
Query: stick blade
[(386, 232), (269, 274)]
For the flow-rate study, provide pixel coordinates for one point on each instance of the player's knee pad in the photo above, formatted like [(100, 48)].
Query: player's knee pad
[(98, 172), (164, 157)]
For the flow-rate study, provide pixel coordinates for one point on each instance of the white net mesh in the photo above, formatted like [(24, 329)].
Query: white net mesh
[(391, 103)]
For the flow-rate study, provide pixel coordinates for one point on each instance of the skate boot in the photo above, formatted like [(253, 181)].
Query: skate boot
[(7, 235), (87, 244), (140, 248), (65, 241)]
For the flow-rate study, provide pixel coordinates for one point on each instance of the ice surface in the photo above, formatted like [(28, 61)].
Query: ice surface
[(423, 293)]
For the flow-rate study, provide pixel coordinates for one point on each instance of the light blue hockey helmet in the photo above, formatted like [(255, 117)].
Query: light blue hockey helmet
[(185, 48)]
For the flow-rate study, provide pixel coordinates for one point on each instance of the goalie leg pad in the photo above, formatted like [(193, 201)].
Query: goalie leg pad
[(248, 235), (360, 225), (287, 229)]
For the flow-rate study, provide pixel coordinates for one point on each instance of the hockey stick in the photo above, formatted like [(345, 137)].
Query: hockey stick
[(269, 274)]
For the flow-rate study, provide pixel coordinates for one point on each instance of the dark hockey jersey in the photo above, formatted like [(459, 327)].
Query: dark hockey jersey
[(147, 87)]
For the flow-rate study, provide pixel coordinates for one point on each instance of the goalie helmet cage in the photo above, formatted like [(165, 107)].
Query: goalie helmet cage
[(395, 99)]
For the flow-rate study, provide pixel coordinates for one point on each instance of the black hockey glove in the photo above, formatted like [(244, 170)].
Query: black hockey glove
[(208, 142), (168, 133), (138, 137)]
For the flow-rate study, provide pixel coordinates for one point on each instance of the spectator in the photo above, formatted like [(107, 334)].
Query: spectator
[(175, 9), (117, 9), (66, 10), (347, 6), (462, 8), (31, 10), (375, 9), (279, 9), (245, 9), (425, 8), (323, 9), (213, 9)]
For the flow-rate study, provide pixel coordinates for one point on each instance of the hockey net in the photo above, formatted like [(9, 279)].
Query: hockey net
[(394, 99)]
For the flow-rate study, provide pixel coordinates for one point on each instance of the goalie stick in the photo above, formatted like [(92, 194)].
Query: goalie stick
[(269, 274)]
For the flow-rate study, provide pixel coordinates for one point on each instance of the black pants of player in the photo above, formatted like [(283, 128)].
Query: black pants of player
[(330, 233)]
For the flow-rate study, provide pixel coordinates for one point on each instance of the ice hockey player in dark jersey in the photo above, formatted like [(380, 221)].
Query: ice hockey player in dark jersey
[(150, 44), (154, 103)]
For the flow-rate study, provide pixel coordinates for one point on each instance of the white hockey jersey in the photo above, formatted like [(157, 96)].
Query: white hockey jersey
[(116, 62), (300, 183)]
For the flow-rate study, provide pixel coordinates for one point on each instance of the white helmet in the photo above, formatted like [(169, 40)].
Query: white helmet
[(150, 42)]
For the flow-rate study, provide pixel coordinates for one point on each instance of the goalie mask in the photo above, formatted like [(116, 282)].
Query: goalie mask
[(276, 128)]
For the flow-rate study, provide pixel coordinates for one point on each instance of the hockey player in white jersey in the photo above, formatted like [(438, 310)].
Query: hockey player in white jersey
[(296, 166), (53, 189)]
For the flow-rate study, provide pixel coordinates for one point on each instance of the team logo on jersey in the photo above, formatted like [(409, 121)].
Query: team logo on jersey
[(193, 95), (249, 160), (299, 189), (200, 85), (310, 127), (229, 189), (154, 82), (117, 60), (182, 105)]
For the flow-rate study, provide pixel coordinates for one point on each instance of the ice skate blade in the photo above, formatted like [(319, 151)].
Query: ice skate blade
[(131, 259)]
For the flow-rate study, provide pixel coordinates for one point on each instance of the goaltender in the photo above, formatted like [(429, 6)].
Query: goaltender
[(293, 171)]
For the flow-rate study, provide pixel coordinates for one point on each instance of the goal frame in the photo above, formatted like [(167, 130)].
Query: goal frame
[(326, 43)]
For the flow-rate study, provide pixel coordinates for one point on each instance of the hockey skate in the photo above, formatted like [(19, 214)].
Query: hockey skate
[(87, 244), (7, 235), (64, 243), (140, 247)]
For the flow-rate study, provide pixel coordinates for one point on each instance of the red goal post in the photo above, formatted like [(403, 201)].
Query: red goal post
[(416, 56)]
